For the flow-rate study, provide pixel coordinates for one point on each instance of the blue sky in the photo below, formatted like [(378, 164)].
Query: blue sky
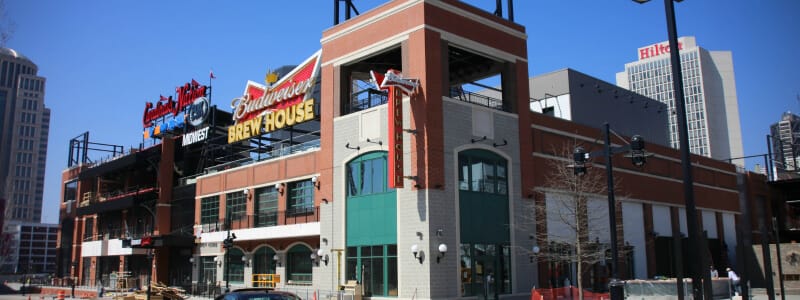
[(104, 59)]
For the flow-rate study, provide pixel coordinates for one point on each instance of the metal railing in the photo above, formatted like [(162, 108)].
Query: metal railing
[(275, 218), (366, 99), (90, 198), (253, 155), (475, 98)]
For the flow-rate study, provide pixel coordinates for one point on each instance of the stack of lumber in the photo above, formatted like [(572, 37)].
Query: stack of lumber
[(160, 291)]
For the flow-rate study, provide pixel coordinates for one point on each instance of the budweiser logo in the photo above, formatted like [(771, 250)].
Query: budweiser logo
[(396, 79), (292, 88)]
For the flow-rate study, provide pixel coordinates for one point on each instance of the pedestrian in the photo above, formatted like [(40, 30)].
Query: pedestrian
[(735, 280), (714, 273)]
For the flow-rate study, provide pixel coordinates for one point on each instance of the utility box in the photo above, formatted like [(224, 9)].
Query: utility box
[(354, 288)]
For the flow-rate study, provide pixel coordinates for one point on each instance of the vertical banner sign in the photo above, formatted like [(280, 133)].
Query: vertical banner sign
[(394, 82), (395, 138)]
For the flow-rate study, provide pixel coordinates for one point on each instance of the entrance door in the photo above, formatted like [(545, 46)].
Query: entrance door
[(486, 271)]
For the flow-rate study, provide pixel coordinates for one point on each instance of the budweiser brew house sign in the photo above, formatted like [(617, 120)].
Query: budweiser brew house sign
[(267, 108)]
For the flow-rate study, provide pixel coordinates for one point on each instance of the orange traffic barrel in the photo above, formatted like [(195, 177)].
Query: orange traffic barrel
[(60, 295)]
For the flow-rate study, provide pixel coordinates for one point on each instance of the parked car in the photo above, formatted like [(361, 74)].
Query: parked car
[(258, 294)]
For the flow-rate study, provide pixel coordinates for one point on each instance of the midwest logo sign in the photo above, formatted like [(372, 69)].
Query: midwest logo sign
[(167, 114), (267, 108)]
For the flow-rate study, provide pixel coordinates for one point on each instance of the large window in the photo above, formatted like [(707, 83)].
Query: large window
[(484, 247), (481, 171), (367, 174), (70, 191), (298, 264), (208, 272), (371, 225), (266, 206), (236, 204), (209, 210), (301, 198), (263, 262), (236, 265), (378, 271)]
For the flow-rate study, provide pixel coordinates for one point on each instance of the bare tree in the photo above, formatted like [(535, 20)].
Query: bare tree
[(7, 26), (574, 214)]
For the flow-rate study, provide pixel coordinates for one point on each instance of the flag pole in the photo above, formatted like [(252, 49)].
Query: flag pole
[(210, 80)]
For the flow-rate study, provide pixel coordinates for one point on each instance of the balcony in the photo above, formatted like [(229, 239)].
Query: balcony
[(291, 216), (93, 203), (277, 225), (251, 156), (476, 98)]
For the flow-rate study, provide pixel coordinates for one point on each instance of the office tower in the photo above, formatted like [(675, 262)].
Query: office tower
[(24, 126), (786, 142), (710, 92)]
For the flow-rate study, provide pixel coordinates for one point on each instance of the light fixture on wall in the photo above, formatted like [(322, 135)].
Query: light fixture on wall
[(277, 259), (315, 181), (418, 254), (442, 251), (245, 261), (279, 187), (218, 261), (322, 256), (319, 256)]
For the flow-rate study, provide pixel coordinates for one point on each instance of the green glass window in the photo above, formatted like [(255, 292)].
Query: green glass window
[(209, 210), (367, 174), (375, 266), (301, 198), (484, 247), (266, 206), (263, 262), (236, 204), (298, 264), (482, 171), (236, 265), (208, 271)]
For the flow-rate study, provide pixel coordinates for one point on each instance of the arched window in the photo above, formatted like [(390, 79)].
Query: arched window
[(235, 265), (367, 174), (482, 171), (371, 225), (298, 264), (485, 249), (263, 262)]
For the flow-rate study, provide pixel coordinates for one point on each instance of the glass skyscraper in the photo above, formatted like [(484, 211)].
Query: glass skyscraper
[(786, 145)]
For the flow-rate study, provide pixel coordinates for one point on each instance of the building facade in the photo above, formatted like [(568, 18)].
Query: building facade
[(24, 127), (410, 187), (32, 248), (785, 143), (712, 108), (586, 100)]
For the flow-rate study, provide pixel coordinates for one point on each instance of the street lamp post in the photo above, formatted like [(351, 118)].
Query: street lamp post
[(638, 157), (228, 244), (697, 268), (150, 250)]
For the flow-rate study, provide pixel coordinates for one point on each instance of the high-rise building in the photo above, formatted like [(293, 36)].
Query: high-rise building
[(30, 248), (786, 143), (24, 127), (709, 85)]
